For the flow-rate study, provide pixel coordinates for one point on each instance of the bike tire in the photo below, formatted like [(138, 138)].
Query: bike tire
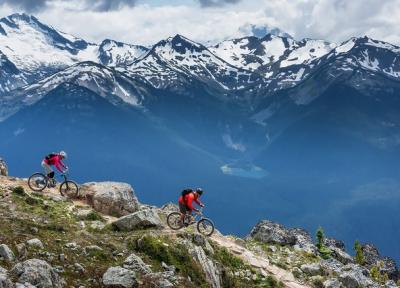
[(173, 219), (34, 178), (69, 189), (201, 227)]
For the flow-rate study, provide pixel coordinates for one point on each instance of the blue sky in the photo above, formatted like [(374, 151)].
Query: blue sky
[(146, 22)]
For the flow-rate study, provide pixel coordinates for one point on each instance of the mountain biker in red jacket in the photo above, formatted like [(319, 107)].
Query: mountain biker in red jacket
[(186, 202), (54, 159)]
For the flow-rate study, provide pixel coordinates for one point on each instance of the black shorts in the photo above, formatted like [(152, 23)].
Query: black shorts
[(183, 208)]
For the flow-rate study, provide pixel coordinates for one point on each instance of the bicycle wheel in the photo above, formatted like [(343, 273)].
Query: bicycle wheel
[(69, 189), (174, 221), (37, 182), (205, 226)]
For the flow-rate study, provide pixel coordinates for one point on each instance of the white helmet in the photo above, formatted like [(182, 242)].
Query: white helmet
[(63, 154)]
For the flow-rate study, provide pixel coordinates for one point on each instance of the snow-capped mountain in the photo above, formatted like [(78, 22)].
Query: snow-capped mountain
[(176, 57), (117, 88), (245, 70), (38, 50), (113, 53)]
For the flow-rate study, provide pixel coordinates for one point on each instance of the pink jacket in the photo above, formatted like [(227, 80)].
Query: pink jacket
[(56, 161)]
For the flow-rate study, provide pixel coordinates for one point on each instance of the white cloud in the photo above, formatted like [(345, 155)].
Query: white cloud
[(333, 20)]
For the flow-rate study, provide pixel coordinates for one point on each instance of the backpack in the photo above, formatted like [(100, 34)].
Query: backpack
[(186, 192), (50, 156)]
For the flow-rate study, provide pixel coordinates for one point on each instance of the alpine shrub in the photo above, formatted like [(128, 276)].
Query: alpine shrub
[(359, 253), (324, 251)]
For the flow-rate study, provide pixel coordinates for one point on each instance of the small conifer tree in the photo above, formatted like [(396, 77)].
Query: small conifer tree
[(359, 253)]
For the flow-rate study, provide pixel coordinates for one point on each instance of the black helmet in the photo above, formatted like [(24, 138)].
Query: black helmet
[(199, 191)]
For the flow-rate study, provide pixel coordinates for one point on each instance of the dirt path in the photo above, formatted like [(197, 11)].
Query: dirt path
[(258, 262)]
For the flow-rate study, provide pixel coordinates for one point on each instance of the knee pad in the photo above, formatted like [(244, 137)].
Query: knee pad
[(51, 175)]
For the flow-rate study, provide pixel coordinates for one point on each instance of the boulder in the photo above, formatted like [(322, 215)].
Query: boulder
[(372, 257), (135, 263), (119, 277), (6, 253), (35, 243), (139, 220), (273, 233), (5, 281), (111, 198), (38, 273), (3, 168)]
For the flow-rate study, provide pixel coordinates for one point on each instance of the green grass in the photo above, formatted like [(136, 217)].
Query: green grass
[(161, 249)]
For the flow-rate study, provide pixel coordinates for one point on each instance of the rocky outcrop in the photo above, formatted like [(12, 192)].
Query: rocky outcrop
[(274, 233), (38, 273), (212, 272), (271, 232), (373, 258), (119, 277), (6, 253), (139, 220), (135, 263), (111, 198), (3, 168)]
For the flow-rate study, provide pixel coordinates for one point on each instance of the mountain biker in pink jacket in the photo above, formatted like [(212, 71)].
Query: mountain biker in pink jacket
[(54, 159)]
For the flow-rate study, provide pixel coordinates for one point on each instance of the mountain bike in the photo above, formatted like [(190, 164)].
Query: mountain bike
[(204, 225), (68, 188)]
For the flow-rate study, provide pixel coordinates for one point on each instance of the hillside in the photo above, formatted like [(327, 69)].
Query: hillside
[(107, 238)]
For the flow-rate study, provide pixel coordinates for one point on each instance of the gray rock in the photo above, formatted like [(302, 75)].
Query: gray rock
[(161, 279), (135, 263), (372, 257), (303, 240), (334, 243), (25, 285), (93, 248), (79, 268), (38, 273), (139, 220), (199, 240), (119, 277), (35, 243), (312, 269), (354, 276), (72, 245), (5, 281), (169, 208), (210, 269), (6, 253), (341, 255), (97, 225), (3, 168), (21, 251), (332, 283), (270, 232), (111, 198)]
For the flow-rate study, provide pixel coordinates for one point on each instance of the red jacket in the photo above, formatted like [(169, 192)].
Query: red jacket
[(56, 161), (188, 201)]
